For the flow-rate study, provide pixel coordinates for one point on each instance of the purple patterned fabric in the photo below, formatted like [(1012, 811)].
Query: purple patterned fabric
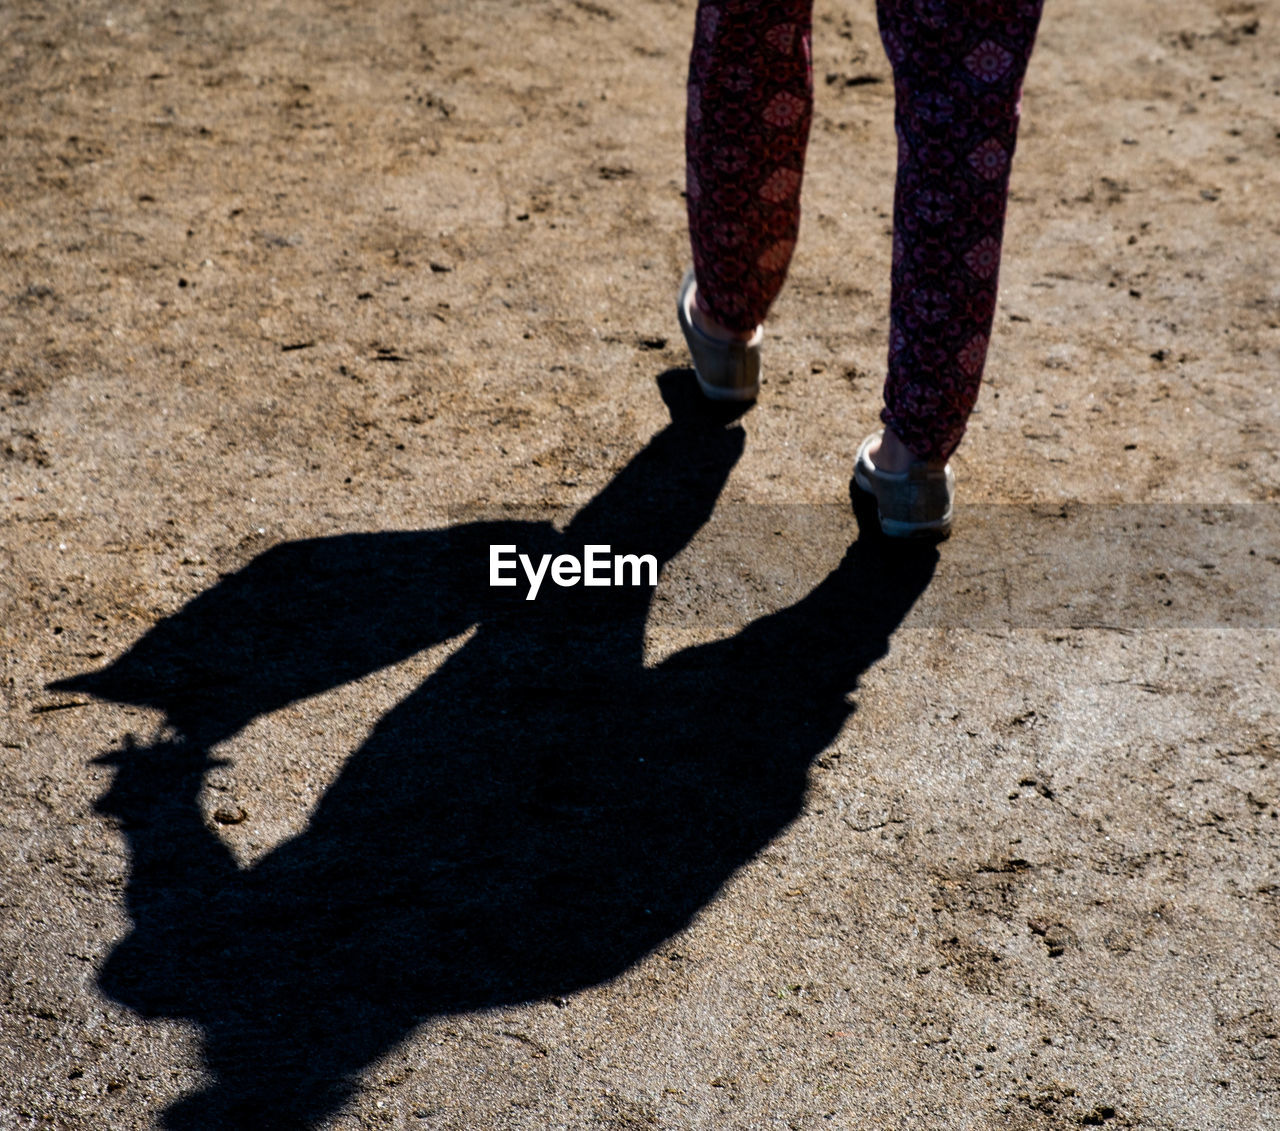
[(750, 105), (958, 67)]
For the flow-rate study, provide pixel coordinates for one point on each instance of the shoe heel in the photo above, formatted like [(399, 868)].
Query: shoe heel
[(726, 371)]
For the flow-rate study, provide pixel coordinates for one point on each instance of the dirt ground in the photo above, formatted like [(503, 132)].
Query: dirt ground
[(304, 305)]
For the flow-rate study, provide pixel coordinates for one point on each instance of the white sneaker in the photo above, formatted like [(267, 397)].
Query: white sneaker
[(915, 503), (727, 371)]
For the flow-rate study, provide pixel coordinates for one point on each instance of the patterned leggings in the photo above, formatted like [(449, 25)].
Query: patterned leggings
[(958, 67)]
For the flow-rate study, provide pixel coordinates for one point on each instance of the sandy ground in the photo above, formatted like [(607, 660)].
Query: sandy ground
[(304, 305)]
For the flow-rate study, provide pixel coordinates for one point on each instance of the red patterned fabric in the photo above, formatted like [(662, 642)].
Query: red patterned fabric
[(958, 67)]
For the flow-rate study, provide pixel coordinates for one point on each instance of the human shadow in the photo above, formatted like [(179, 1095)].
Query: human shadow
[(536, 817)]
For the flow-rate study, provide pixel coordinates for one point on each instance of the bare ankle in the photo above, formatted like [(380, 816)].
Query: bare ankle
[(714, 328), (892, 455)]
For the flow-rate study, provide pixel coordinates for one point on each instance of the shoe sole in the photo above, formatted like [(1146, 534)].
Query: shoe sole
[(718, 393)]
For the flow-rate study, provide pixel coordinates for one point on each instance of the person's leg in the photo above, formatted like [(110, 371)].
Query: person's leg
[(958, 67), (750, 106)]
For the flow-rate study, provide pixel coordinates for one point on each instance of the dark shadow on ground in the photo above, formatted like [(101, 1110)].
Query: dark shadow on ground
[(535, 818)]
